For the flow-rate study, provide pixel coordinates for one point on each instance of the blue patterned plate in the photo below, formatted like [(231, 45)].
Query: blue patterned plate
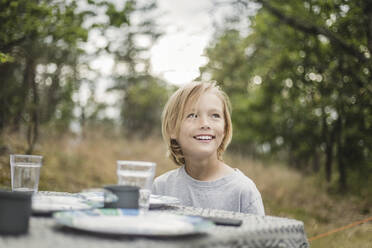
[(129, 222)]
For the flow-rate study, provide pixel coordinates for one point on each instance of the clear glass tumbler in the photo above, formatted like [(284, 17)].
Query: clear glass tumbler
[(25, 172), (140, 174)]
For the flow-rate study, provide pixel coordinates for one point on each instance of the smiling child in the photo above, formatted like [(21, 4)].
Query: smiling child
[(196, 127)]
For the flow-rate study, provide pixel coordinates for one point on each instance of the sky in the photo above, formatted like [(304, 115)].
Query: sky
[(188, 25), (178, 54)]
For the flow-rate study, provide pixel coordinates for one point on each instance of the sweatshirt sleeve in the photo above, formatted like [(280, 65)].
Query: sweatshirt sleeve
[(251, 200), (254, 207), (156, 187)]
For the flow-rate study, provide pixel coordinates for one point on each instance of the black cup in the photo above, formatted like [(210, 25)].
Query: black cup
[(15, 211), (127, 196)]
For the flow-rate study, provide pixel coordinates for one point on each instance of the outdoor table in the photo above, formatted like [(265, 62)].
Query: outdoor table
[(255, 231)]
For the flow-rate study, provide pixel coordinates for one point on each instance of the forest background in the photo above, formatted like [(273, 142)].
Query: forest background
[(298, 75)]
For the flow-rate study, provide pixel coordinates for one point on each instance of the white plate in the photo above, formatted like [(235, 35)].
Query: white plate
[(45, 202), (128, 222), (157, 201)]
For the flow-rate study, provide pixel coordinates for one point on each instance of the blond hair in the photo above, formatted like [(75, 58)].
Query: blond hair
[(174, 111)]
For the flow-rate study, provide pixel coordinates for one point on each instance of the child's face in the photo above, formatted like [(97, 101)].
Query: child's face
[(203, 127)]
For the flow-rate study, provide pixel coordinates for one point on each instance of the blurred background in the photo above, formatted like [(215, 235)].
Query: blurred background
[(83, 83)]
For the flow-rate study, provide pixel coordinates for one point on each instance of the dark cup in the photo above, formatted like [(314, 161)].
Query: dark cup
[(15, 211), (127, 196)]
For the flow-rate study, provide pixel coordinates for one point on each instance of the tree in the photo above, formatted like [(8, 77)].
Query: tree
[(142, 95), (300, 83), (37, 34), (40, 54)]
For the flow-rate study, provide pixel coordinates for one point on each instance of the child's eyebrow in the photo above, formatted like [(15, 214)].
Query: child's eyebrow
[(190, 110), (215, 110), (209, 110)]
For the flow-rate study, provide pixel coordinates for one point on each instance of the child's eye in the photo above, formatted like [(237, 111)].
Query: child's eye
[(216, 115), (192, 115)]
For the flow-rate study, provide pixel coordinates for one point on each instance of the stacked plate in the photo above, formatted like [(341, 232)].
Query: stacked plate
[(131, 222), (83, 211), (47, 202)]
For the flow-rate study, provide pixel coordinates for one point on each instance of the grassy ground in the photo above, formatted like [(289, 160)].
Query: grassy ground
[(72, 164)]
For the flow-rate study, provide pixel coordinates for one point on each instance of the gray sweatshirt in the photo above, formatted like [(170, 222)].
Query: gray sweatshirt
[(234, 192)]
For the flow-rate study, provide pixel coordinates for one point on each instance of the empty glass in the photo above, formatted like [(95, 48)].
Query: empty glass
[(140, 174), (25, 172)]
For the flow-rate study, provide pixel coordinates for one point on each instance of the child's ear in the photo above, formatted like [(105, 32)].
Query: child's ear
[(173, 135)]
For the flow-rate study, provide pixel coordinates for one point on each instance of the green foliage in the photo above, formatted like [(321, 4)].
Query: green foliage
[(119, 17), (143, 104), (5, 58), (41, 58), (143, 95), (300, 83), (42, 37)]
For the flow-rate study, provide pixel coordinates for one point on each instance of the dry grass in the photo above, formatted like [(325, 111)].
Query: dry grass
[(288, 193), (72, 164)]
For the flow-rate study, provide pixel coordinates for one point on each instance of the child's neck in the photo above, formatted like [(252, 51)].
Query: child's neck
[(207, 170)]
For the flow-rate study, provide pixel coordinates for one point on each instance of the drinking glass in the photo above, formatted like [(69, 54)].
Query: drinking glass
[(25, 172), (140, 174)]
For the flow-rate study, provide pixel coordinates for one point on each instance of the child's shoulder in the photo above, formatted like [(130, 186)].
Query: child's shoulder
[(165, 182), (169, 175), (243, 180)]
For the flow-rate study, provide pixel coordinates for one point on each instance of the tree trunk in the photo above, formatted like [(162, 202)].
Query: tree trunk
[(33, 125), (316, 162), (83, 122), (329, 142), (340, 158), (52, 97), (328, 162), (28, 77), (368, 14)]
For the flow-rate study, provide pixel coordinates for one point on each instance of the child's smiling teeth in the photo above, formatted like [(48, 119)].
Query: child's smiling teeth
[(204, 137)]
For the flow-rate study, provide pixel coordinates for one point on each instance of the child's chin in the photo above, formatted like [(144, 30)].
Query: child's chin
[(205, 153)]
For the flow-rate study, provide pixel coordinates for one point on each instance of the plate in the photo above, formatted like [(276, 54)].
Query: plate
[(46, 202), (118, 221), (157, 201), (99, 196)]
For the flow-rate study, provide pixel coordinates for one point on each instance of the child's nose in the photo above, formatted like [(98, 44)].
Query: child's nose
[(204, 123)]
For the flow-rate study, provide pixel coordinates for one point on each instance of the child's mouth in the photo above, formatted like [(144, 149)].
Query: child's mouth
[(204, 137)]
